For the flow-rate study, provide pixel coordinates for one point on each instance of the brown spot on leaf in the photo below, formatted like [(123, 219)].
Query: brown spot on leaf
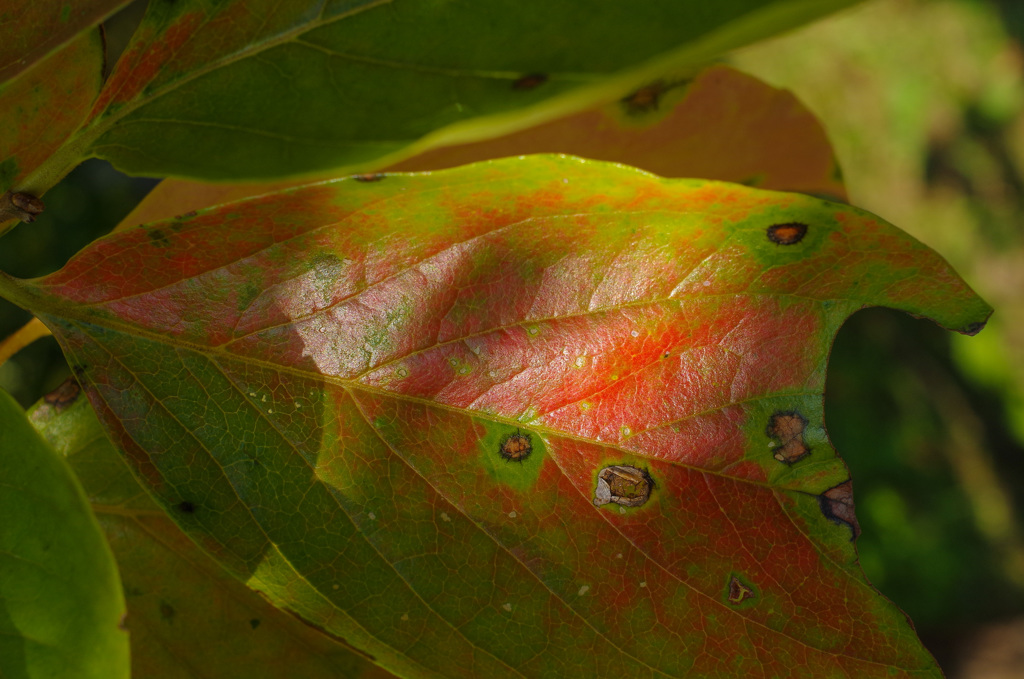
[(623, 485), (167, 611), (367, 178), (645, 99), (787, 234), (516, 447), (530, 81), (837, 506), (254, 623), (187, 215), (787, 429), (64, 395), (739, 591), (186, 507)]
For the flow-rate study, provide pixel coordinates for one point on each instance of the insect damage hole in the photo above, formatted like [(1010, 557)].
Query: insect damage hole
[(790, 233), (515, 447), (786, 429), (624, 485), (739, 591)]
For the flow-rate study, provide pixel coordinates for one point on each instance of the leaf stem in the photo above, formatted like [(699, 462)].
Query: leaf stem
[(21, 338)]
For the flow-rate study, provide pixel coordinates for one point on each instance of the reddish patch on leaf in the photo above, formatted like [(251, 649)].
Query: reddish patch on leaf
[(64, 395), (837, 506), (366, 178), (516, 447), (738, 591), (787, 428), (623, 485), (530, 81), (787, 234)]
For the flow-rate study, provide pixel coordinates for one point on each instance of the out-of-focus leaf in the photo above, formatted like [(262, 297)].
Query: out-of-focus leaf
[(61, 606), (258, 90), (723, 125), (42, 107), (186, 615), (32, 29), (391, 405)]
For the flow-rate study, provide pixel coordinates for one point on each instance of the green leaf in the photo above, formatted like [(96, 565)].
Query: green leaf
[(178, 598), (333, 389), (61, 605), (257, 90)]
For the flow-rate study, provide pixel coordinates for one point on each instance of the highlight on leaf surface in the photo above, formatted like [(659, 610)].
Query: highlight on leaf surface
[(326, 378)]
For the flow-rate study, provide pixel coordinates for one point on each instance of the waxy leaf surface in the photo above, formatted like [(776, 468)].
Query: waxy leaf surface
[(390, 406), (260, 89), (61, 606), (187, 616)]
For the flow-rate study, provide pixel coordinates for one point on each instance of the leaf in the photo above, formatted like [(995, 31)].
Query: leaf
[(33, 30), (261, 90), (330, 387), (42, 107), (178, 598), (61, 605), (722, 125)]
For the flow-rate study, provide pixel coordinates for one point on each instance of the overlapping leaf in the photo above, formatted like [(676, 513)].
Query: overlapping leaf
[(186, 615), (61, 607), (723, 124), (321, 385), (250, 90)]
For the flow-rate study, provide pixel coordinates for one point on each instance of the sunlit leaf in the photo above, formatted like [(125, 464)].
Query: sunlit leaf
[(251, 90), (179, 599), (61, 606), (538, 416)]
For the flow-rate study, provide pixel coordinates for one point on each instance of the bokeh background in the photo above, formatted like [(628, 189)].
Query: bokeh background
[(924, 102)]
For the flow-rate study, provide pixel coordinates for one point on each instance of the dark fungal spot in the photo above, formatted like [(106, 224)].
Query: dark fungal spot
[(186, 507), (624, 485), (368, 178), (974, 328), (530, 81), (790, 233), (515, 447), (187, 215), (158, 238), (786, 428), (79, 371), (254, 623), (167, 611), (644, 99), (64, 395), (739, 591), (836, 505)]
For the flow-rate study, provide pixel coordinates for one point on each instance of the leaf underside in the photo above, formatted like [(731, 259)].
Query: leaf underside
[(322, 386)]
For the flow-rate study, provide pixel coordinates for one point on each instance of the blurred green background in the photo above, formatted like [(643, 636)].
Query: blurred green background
[(924, 101)]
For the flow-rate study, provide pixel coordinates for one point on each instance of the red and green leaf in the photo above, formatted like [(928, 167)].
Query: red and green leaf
[(321, 386)]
